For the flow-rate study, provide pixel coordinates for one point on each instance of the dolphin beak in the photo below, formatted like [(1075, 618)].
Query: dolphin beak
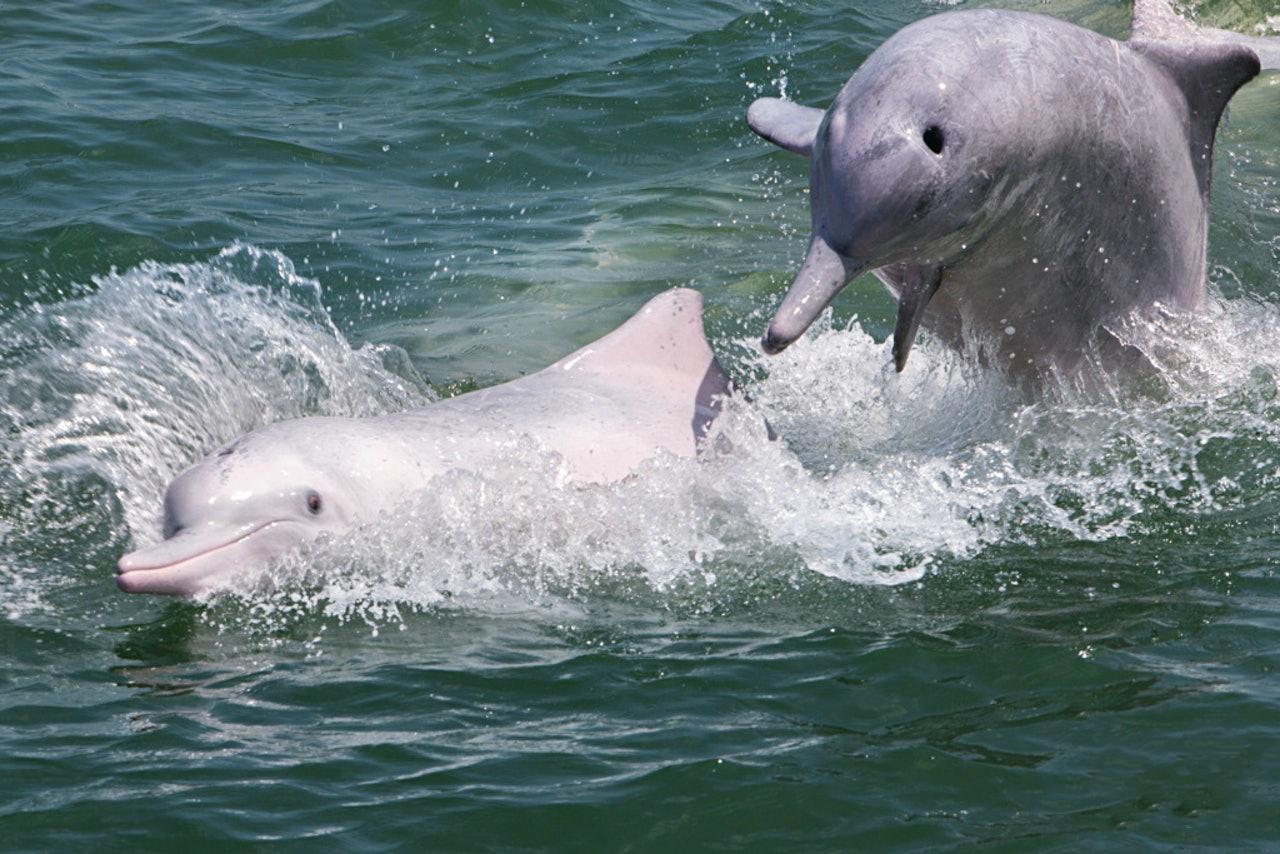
[(822, 276), (184, 564), (919, 284)]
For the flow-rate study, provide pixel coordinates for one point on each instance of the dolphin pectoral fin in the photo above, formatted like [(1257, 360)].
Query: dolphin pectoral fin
[(822, 276), (787, 125), (918, 287)]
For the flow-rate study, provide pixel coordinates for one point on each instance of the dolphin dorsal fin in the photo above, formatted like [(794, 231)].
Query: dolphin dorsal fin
[(666, 334), (1208, 65), (1158, 21), (1207, 73)]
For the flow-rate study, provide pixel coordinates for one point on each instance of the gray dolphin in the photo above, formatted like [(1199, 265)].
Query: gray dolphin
[(651, 386), (1023, 178)]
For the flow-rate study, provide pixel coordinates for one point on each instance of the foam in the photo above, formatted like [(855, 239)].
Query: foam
[(881, 478)]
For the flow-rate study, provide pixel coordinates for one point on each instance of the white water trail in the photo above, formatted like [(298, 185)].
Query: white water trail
[(880, 478)]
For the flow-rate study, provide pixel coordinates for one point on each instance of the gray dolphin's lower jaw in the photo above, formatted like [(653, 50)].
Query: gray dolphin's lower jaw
[(185, 564)]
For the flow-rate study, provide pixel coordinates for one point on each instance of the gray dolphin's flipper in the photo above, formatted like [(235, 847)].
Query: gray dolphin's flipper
[(786, 124), (1157, 21)]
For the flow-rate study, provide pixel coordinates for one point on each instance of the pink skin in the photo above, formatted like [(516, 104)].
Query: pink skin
[(236, 511), (651, 386), (196, 560)]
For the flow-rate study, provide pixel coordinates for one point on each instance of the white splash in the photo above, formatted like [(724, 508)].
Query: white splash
[(881, 478), (103, 399)]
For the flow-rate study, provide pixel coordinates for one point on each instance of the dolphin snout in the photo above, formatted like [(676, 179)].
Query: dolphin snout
[(823, 275), (774, 343), (129, 581), (785, 329), (186, 563)]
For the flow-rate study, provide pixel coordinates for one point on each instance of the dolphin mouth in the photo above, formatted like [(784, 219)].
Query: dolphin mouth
[(823, 275), (183, 564)]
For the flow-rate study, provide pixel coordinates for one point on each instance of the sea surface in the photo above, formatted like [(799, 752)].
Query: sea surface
[(942, 612)]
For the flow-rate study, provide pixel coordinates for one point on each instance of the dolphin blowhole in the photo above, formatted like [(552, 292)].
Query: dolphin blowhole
[(934, 138)]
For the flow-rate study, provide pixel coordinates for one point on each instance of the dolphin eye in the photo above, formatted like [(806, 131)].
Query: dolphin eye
[(313, 503), (934, 138)]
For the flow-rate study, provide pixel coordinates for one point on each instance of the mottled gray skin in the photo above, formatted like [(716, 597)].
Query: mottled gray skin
[(1025, 179)]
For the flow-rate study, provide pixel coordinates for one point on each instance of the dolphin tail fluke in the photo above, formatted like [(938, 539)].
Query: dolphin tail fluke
[(1158, 21)]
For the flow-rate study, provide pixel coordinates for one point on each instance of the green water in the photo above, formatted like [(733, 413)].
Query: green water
[(943, 614)]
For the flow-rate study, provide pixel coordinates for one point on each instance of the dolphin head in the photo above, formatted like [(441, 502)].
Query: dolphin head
[(902, 164), (245, 504)]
